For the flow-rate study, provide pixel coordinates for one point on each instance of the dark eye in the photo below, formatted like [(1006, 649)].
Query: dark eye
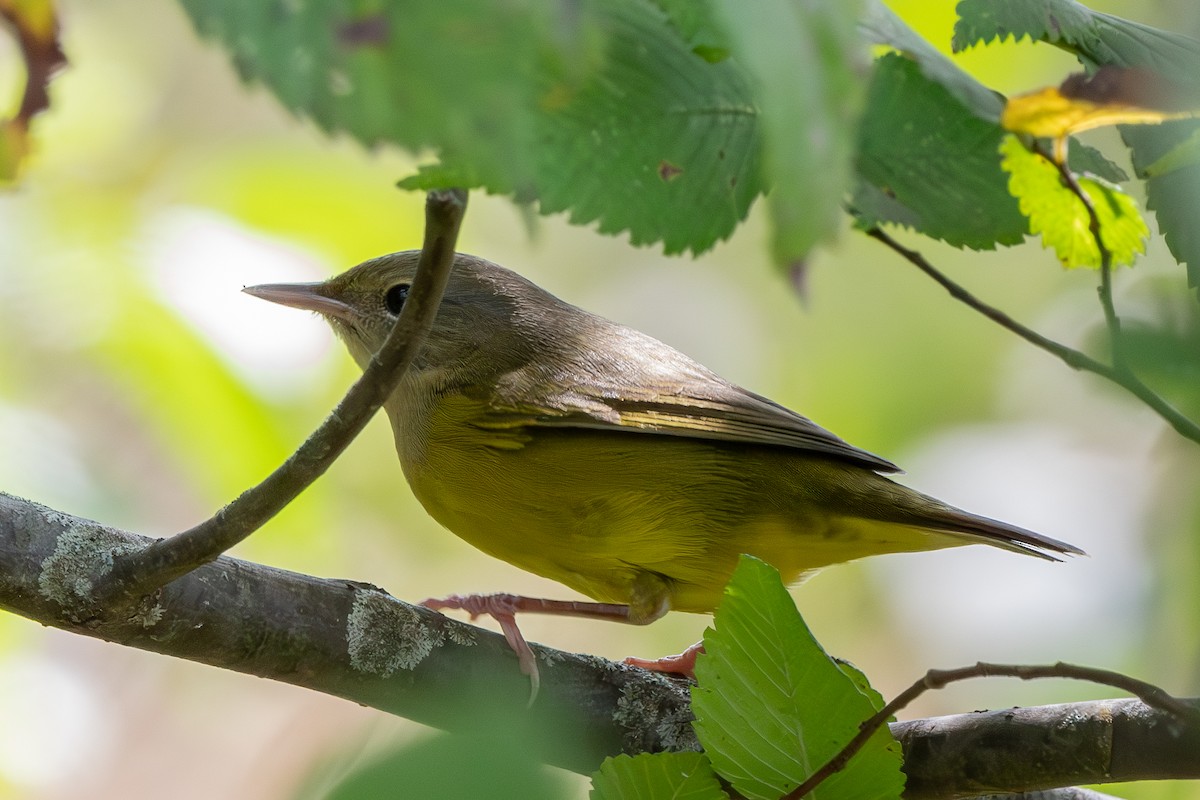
[(395, 297)]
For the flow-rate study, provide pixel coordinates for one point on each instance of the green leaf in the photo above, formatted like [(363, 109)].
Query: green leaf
[(932, 163), (880, 25), (1084, 158), (451, 767), (1100, 39), (660, 143), (1182, 155), (1094, 37), (804, 58), (658, 776), (597, 108), (696, 22), (1172, 194), (1060, 216), (771, 707)]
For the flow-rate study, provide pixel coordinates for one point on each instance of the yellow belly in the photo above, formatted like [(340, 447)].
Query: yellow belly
[(611, 513)]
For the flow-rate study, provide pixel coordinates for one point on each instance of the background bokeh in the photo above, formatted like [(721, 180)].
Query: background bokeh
[(138, 387)]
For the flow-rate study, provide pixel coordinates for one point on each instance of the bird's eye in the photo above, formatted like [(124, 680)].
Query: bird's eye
[(395, 297)]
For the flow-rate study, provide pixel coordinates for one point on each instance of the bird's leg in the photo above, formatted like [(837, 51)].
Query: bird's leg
[(504, 607), (649, 595), (681, 664)]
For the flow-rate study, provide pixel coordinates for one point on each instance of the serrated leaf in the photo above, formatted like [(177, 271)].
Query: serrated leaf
[(658, 776), (661, 143), (1061, 218), (771, 707), (597, 108), (803, 58), (1083, 158), (881, 25), (930, 156), (1096, 38)]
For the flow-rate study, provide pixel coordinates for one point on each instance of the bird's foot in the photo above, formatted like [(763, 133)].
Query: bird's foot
[(682, 664), (502, 608)]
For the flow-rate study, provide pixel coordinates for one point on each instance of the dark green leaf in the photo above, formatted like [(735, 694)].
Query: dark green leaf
[(804, 58), (880, 25), (1174, 195), (772, 707), (1094, 37), (598, 108), (934, 162), (1086, 160)]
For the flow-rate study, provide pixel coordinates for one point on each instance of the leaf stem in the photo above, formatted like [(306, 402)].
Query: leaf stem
[(1075, 359), (1105, 289)]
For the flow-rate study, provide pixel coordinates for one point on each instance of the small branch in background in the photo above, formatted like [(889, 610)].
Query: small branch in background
[(1185, 713), (1071, 357), (141, 572)]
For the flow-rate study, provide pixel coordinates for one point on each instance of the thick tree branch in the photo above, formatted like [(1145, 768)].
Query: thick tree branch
[(355, 641), (141, 572), (1185, 715)]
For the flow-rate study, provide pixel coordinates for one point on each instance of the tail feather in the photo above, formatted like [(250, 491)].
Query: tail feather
[(911, 508), (1000, 534)]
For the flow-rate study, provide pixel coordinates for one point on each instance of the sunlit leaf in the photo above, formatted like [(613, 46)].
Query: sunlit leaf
[(772, 707), (1062, 219)]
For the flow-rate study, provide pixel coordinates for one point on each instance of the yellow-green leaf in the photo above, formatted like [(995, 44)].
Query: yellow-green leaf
[(1061, 218)]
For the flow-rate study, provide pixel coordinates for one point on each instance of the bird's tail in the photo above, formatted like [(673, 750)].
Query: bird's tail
[(911, 508)]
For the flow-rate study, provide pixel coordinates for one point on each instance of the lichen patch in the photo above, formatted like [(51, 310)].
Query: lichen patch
[(383, 635), (83, 553)]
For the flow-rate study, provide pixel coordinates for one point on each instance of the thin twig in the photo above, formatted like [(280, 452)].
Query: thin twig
[(1105, 289), (1148, 693), (142, 572), (1071, 357)]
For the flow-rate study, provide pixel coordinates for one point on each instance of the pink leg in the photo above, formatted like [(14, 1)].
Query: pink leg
[(504, 607), (682, 664)]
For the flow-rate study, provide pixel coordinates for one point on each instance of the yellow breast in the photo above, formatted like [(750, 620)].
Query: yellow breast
[(609, 512)]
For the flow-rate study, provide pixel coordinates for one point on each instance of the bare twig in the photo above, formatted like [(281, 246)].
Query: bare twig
[(143, 571), (1071, 357), (1148, 693)]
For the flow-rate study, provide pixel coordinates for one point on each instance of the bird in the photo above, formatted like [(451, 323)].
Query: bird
[(588, 452)]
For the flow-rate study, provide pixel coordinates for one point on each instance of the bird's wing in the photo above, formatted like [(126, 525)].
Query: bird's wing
[(676, 399)]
